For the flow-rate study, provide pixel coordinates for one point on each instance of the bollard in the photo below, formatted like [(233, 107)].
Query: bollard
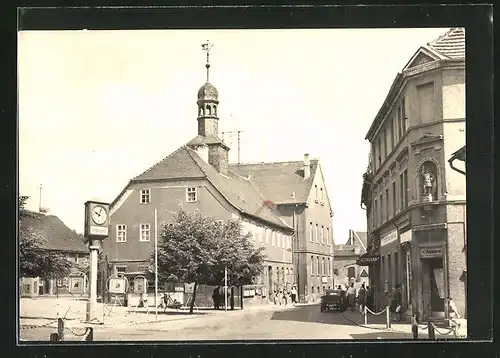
[(90, 335), (60, 329), (414, 327), (54, 337), (388, 317), (366, 315), (432, 333)]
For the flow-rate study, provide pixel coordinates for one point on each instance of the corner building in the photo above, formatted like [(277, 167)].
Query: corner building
[(416, 204)]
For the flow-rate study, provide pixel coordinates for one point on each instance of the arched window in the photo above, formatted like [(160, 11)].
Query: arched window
[(209, 110), (215, 110)]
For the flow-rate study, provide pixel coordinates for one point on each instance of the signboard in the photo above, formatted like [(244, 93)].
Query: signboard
[(389, 237), (117, 285), (363, 273), (405, 236), (76, 285), (189, 287), (98, 230), (140, 284), (367, 260), (431, 252), (324, 279), (248, 292)]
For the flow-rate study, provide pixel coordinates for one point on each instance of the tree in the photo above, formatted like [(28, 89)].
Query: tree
[(34, 261), (196, 249)]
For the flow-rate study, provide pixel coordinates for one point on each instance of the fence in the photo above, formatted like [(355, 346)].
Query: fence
[(62, 327)]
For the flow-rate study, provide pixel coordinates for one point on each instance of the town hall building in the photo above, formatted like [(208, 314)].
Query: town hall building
[(283, 205)]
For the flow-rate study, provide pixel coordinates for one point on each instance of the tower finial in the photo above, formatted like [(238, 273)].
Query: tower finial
[(207, 47)]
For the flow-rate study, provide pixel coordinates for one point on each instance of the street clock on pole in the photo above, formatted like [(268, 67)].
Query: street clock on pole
[(96, 220)]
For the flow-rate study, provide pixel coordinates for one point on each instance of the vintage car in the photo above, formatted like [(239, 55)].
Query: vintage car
[(334, 300)]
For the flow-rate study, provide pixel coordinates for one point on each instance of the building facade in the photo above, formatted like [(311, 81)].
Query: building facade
[(416, 204), (275, 201), (58, 238), (346, 265)]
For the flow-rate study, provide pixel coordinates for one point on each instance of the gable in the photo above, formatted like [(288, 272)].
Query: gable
[(423, 55), (319, 180)]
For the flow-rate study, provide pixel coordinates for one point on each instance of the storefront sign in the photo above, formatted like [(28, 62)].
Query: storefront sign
[(431, 252), (367, 260), (389, 237), (405, 236), (117, 285)]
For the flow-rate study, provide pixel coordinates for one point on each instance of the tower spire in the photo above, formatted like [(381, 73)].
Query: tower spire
[(207, 46)]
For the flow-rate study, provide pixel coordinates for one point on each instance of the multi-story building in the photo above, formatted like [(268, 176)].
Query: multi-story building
[(346, 267), (270, 198), (416, 204)]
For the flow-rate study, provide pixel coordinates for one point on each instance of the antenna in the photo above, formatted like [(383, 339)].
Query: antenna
[(238, 133)]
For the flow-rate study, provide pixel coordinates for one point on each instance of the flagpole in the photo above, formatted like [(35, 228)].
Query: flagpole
[(225, 288), (156, 264)]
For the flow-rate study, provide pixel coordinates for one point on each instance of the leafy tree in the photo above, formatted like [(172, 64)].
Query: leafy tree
[(196, 249), (34, 261)]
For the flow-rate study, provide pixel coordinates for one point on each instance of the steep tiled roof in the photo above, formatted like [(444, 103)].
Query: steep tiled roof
[(179, 164), (55, 234), (278, 181), (451, 44), (185, 163)]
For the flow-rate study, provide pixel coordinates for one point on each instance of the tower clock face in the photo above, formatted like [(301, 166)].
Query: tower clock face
[(99, 214)]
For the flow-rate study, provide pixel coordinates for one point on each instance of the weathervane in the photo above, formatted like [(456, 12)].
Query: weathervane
[(207, 47)]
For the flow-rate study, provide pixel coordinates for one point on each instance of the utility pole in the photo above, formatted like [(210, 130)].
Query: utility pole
[(238, 133), (40, 200)]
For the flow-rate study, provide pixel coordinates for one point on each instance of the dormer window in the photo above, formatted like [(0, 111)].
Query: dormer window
[(145, 196)]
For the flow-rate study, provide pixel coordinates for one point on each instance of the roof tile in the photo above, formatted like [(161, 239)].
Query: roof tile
[(451, 44)]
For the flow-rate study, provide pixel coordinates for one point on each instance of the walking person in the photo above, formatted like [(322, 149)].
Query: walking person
[(280, 296), (294, 295), (369, 297), (351, 296), (396, 303), (362, 298)]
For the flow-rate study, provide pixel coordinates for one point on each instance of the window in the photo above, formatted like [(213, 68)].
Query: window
[(405, 178), (273, 238), (324, 267), (319, 266), (384, 138), (316, 191), (389, 135), (400, 125), (403, 115), (401, 192), (316, 234), (311, 233), (312, 265), (145, 232), (383, 270), (389, 271), (121, 233), (396, 268), (394, 200), (379, 151), (145, 196), (329, 267), (321, 192), (121, 269), (312, 289), (191, 196), (381, 201), (266, 235), (259, 236), (394, 130), (321, 235), (278, 239), (142, 268), (375, 214), (328, 241), (387, 204)]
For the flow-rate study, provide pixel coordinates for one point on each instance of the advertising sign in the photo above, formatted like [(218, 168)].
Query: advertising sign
[(117, 285), (389, 237), (140, 284), (366, 260), (189, 287), (431, 252), (405, 236), (76, 285)]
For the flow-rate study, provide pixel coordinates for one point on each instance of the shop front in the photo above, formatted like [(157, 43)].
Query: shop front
[(406, 273), (389, 265), (431, 289)]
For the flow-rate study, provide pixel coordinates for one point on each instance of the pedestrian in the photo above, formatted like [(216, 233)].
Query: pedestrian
[(294, 295), (280, 296), (396, 303), (351, 296), (369, 297), (275, 296), (286, 294), (144, 301), (362, 298), (216, 297)]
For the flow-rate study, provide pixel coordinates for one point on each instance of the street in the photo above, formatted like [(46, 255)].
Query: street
[(270, 323)]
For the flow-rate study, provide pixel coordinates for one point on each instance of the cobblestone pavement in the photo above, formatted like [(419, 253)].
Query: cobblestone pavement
[(264, 323)]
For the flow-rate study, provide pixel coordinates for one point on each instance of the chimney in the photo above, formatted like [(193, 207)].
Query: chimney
[(307, 166)]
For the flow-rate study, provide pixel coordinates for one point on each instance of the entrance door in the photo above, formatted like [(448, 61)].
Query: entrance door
[(433, 285)]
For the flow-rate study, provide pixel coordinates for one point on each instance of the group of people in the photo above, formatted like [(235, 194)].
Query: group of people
[(218, 298), (363, 296), (283, 296)]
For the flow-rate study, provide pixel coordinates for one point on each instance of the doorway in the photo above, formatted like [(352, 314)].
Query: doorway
[(433, 287)]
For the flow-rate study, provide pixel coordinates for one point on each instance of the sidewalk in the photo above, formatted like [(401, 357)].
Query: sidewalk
[(379, 323)]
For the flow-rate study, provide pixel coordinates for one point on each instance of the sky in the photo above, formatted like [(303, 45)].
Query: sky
[(97, 108)]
